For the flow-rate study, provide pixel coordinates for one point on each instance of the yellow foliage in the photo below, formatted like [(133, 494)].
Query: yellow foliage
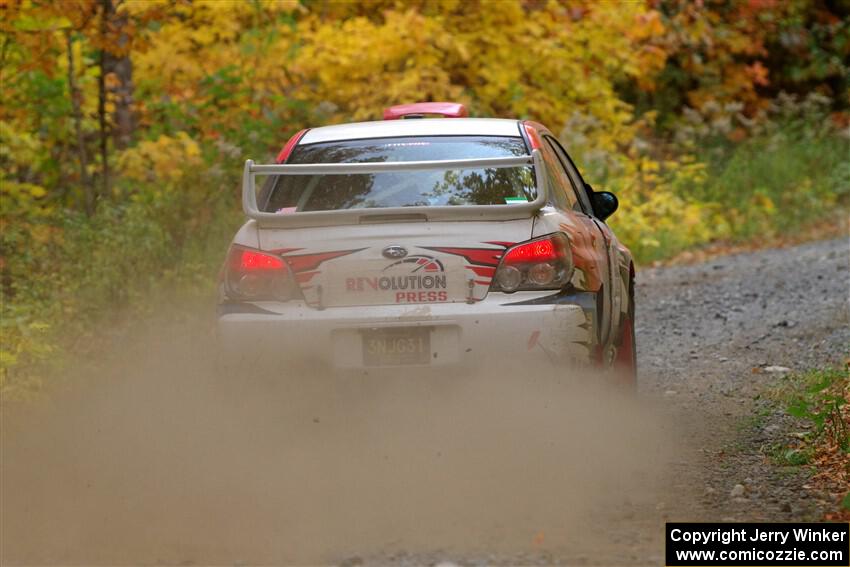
[(348, 69), (348, 61), (201, 37), (165, 159), (18, 149)]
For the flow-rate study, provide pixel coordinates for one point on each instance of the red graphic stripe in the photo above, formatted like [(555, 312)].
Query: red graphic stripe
[(304, 277), (308, 262), (479, 256), (500, 243)]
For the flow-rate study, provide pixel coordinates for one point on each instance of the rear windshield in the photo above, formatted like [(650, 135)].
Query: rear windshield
[(482, 186)]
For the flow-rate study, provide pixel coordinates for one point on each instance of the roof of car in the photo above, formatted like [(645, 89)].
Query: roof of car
[(413, 127)]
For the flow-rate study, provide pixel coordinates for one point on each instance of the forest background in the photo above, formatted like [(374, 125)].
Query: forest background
[(124, 125)]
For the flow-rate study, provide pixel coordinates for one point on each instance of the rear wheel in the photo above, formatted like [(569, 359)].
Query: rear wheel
[(625, 359)]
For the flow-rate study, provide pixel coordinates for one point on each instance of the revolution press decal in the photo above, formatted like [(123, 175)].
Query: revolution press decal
[(415, 279)]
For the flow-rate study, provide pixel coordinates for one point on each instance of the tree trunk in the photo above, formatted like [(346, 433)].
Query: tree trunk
[(122, 68), (124, 118), (104, 128), (101, 105), (76, 107)]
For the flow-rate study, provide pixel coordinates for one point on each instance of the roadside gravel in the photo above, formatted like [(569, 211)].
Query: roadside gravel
[(712, 337)]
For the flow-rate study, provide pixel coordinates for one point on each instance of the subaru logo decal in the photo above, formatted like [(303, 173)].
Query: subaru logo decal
[(395, 252)]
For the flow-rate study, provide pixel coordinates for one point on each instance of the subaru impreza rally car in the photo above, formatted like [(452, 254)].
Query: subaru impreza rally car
[(430, 242)]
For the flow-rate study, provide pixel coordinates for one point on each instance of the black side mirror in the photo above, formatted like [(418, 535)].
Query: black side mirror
[(604, 204)]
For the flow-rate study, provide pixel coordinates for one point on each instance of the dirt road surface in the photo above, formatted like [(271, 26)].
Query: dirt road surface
[(144, 457)]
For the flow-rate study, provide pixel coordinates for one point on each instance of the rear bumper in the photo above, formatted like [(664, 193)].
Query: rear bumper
[(554, 328)]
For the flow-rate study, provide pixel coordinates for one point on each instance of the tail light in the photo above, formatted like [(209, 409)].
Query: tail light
[(254, 275), (543, 263)]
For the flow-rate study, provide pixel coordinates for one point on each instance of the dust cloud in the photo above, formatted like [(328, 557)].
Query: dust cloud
[(151, 456)]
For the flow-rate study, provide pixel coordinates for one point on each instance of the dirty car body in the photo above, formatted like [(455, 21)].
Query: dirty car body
[(425, 243)]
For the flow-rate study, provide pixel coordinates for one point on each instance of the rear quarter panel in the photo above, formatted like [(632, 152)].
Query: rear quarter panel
[(588, 250)]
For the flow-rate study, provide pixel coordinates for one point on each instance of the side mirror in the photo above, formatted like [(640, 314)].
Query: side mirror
[(604, 204)]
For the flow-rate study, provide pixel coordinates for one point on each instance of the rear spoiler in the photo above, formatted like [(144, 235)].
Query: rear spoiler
[(357, 216)]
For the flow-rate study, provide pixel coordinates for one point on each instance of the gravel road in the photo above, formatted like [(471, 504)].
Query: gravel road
[(137, 459), (709, 331)]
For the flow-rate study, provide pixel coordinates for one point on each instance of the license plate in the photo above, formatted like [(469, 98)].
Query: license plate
[(390, 347)]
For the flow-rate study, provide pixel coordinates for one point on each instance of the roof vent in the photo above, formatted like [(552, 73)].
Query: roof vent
[(422, 109)]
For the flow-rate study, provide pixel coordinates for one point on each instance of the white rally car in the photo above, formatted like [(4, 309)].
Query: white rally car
[(432, 242)]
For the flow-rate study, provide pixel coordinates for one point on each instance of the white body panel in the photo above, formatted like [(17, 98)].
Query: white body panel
[(340, 304), (460, 334)]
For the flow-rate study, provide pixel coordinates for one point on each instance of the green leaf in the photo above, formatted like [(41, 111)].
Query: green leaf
[(800, 408), (795, 457)]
